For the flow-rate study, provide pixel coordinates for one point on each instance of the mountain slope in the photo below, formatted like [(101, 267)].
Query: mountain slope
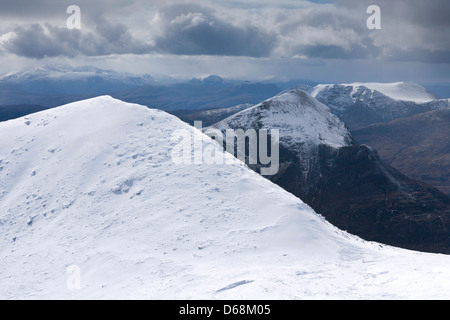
[(304, 125), (418, 146), (362, 104), (346, 182), (92, 184), (199, 95), (211, 116), (366, 197)]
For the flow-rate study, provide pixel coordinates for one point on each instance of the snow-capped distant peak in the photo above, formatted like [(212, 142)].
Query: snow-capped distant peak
[(403, 91), (66, 72), (38, 72), (213, 78), (209, 79)]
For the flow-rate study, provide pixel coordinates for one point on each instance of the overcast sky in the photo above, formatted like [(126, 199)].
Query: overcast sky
[(323, 41)]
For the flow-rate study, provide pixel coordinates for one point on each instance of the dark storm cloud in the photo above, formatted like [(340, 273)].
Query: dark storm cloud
[(432, 14), (39, 10), (327, 33), (193, 30), (31, 9), (422, 55), (187, 29), (337, 52), (412, 30), (41, 41)]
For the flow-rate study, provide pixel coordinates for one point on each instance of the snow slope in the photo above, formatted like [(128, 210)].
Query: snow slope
[(92, 184), (303, 121)]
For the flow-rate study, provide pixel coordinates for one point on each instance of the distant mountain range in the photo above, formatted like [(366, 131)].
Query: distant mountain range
[(358, 104), (211, 116), (69, 80), (51, 86), (199, 95)]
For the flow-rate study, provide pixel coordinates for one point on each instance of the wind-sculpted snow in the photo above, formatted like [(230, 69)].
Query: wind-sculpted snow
[(92, 186)]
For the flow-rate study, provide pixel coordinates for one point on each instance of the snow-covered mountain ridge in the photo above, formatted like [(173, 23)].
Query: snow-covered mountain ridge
[(65, 72), (92, 184), (362, 104), (303, 122), (398, 91)]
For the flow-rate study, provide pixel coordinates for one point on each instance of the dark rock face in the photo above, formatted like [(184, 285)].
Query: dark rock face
[(354, 190), (209, 117), (360, 194), (417, 146)]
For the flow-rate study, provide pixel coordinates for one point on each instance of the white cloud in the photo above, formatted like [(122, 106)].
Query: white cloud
[(7, 37)]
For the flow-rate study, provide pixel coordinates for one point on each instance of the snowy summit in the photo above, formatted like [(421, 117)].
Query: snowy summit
[(303, 121)]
